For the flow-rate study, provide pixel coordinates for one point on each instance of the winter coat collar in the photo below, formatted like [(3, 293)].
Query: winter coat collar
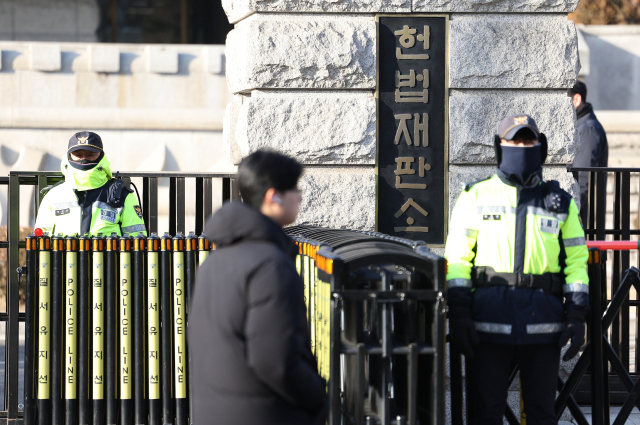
[(533, 180), (584, 110), (236, 222)]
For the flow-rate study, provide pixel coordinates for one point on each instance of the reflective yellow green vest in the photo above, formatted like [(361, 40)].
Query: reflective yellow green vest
[(510, 229), (482, 232), (61, 214)]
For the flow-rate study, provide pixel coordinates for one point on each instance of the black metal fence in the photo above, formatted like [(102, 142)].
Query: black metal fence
[(620, 229), (589, 381), (150, 199)]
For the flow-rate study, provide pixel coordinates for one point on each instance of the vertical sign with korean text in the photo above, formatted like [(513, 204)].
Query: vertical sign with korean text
[(412, 121)]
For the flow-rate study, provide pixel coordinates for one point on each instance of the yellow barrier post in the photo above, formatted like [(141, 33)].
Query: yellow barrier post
[(125, 331), (179, 331), (98, 309), (71, 334), (44, 324), (153, 330)]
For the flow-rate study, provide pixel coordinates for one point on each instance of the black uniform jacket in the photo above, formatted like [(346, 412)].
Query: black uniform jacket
[(251, 355), (593, 150)]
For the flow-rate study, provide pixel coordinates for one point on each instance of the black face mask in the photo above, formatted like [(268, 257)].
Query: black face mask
[(84, 164), (519, 163)]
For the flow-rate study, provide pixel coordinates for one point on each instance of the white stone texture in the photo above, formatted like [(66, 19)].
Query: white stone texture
[(314, 53), (495, 6), (330, 128), (45, 57), (111, 118), (512, 51), (229, 145), (619, 121), (338, 197), (78, 96), (460, 175), (24, 159), (104, 58), (474, 117), (614, 52), (585, 55), (162, 59), (213, 60), (624, 151), (236, 10)]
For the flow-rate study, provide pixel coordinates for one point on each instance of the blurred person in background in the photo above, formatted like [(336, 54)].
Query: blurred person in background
[(593, 150), (248, 325), (89, 201)]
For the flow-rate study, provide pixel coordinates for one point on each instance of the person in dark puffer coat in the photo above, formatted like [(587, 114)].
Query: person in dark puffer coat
[(250, 348)]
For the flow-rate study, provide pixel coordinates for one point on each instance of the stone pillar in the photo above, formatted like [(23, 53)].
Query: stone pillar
[(304, 78)]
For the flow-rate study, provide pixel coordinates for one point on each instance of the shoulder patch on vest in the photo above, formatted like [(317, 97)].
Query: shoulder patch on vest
[(556, 199), (468, 186)]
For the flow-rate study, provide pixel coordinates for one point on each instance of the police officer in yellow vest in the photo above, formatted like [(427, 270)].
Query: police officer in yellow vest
[(515, 252), (89, 201)]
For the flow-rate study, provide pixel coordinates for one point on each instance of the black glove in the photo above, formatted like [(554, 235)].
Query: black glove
[(574, 330), (461, 330)]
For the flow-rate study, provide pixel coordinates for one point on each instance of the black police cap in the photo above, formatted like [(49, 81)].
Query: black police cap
[(85, 140), (514, 123)]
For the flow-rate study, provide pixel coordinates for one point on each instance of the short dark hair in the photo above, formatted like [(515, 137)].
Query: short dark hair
[(263, 170), (525, 134), (578, 88)]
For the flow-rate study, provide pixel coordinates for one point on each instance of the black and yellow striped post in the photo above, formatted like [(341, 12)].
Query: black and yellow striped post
[(139, 289), (84, 329), (71, 332), (111, 329), (153, 330), (98, 332), (30, 332), (180, 358), (58, 297), (44, 329), (204, 247), (125, 333), (167, 330), (190, 264)]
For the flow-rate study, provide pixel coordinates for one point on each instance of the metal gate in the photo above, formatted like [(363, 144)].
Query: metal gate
[(149, 202)]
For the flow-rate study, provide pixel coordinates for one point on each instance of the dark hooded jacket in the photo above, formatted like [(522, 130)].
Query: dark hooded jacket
[(248, 335), (593, 150)]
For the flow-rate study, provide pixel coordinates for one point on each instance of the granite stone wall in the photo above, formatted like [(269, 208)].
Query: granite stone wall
[(304, 77)]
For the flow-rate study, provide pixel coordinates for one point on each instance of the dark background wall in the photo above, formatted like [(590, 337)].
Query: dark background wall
[(163, 21)]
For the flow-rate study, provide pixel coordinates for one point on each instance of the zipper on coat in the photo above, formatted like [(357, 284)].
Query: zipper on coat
[(521, 232)]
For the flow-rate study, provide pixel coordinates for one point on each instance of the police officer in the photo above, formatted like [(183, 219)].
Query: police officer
[(89, 200), (515, 250)]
